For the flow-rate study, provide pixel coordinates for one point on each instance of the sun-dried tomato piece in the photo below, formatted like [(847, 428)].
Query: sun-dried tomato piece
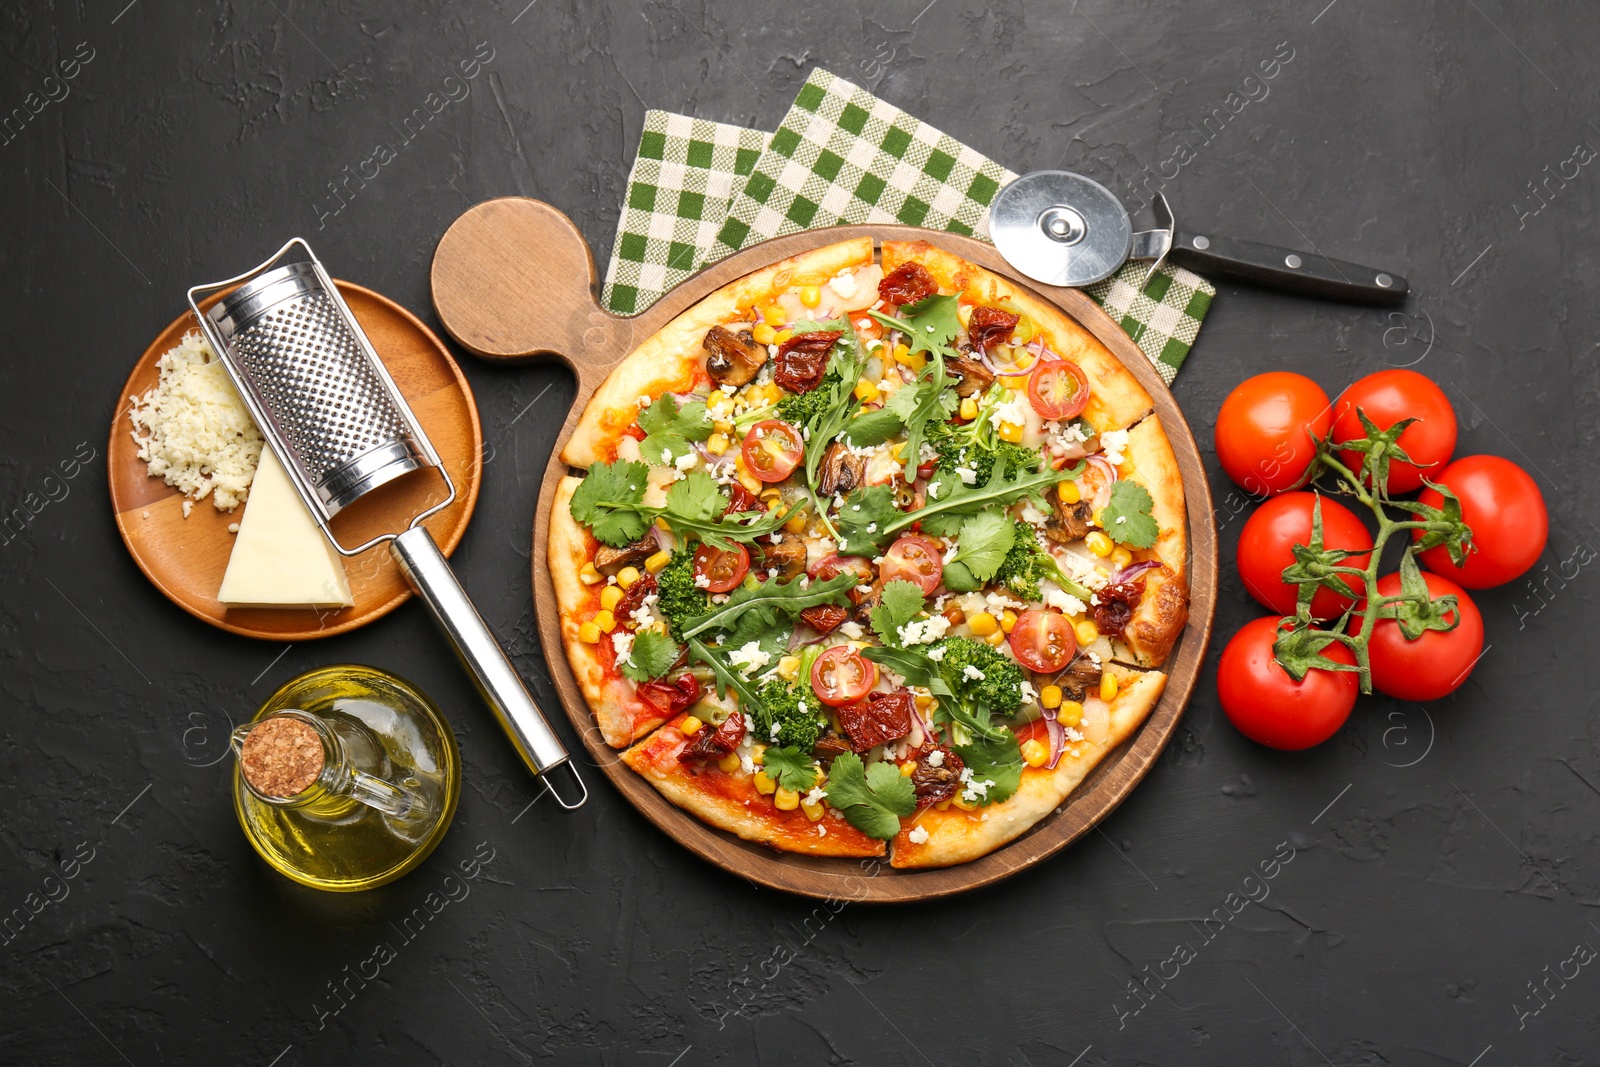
[(802, 360), (825, 618), (906, 284), (633, 599), (936, 783), (711, 744), (991, 326), (878, 718), (669, 698), (741, 499), (1115, 607)]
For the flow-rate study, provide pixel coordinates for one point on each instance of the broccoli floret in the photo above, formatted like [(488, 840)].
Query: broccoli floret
[(680, 599), (997, 692), (796, 716), (801, 408), (1024, 564), (956, 448)]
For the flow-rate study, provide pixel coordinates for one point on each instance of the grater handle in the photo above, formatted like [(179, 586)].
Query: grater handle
[(497, 680)]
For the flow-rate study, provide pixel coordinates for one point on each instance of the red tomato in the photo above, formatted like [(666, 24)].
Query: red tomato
[(1388, 396), (842, 676), (1058, 389), (1266, 547), (834, 565), (1436, 663), (1272, 709), (916, 559), (723, 570), (1043, 641), (1264, 430), (773, 449), (1506, 511)]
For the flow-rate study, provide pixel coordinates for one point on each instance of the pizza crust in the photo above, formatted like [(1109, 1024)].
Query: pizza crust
[(731, 802), (1116, 399), (957, 836), (672, 361), (1164, 609)]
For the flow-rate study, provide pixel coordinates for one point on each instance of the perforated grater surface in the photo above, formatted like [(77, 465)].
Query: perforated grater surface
[(327, 406)]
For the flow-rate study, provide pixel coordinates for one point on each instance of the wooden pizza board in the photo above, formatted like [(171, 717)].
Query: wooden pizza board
[(513, 280)]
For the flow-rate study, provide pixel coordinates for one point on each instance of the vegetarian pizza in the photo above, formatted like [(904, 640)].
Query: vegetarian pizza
[(870, 553)]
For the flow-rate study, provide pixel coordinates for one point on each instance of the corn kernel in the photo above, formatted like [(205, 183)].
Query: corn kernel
[(764, 784), (758, 754), (610, 597), (866, 390), (627, 576), (771, 496), (782, 336), (774, 314), (1098, 543), (605, 620), (588, 633), (718, 443), (663, 524), (789, 668), (1068, 492), (1035, 752), (719, 402), (811, 295), (969, 409), (1050, 696), (963, 803), (997, 638), (729, 763), (1011, 431), (785, 799), (983, 624), (796, 523), (746, 479), (1086, 632), (1023, 333), (1097, 516), (1108, 687), (589, 575), (1024, 361), (897, 449), (658, 561), (764, 334), (943, 805), (813, 811), (1121, 557), (924, 702), (908, 768), (1008, 620), (690, 725), (902, 353)]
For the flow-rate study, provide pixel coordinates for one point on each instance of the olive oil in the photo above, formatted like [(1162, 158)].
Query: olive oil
[(384, 789)]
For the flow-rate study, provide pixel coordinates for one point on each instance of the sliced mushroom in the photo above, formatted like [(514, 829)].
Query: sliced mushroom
[(732, 359), (608, 560), (1081, 677), (1069, 522), (971, 376), (841, 471), (788, 556)]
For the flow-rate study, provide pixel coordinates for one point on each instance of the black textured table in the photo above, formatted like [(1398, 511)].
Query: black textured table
[(1434, 870)]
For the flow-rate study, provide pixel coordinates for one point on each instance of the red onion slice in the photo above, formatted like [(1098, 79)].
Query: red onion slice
[(1133, 570), (1102, 496), (1058, 737)]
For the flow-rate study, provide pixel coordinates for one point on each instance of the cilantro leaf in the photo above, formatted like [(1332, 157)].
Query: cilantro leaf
[(996, 765), (875, 427), (1127, 517), (670, 429), (790, 768), (767, 600), (871, 799), (866, 521), (900, 602), (930, 324), (985, 539), (607, 501), (652, 655), (696, 497)]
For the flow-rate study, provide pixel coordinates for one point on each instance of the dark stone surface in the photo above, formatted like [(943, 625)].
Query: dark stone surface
[(1443, 857)]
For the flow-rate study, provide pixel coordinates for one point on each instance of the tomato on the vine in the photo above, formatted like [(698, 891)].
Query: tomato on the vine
[(721, 569), (1058, 389), (773, 449), (1266, 547), (1387, 396), (1503, 505), (1436, 663), (1043, 641), (1265, 428), (914, 558), (842, 676), (1271, 708)]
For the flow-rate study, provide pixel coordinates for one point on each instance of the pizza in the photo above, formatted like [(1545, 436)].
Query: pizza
[(872, 551)]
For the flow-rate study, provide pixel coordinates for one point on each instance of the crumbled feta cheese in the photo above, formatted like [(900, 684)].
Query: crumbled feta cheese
[(816, 795), (644, 401), (844, 285), (1029, 693), (666, 457), (622, 645), (951, 552), (1010, 411), (872, 527), (924, 631), (772, 572), (918, 835), (1114, 443), (686, 461), (777, 538), (729, 390), (702, 582), (772, 351), (719, 598), (851, 629), (776, 727), (748, 660), (1033, 515), (864, 588), (969, 671), (967, 475), (936, 758), (936, 654), (1063, 602), (999, 602)]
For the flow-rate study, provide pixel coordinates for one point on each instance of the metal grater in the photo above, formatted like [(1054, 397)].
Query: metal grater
[(327, 406)]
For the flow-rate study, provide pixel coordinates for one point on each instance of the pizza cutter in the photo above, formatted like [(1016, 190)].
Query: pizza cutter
[(1064, 229)]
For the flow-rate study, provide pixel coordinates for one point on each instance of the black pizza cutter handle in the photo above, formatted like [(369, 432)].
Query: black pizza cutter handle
[(1285, 269)]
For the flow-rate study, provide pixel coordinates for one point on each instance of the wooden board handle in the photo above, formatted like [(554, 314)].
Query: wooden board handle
[(513, 280)]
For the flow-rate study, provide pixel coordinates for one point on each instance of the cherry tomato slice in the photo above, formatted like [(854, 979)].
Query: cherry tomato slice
[(722, 570), (834, 565), (915, 559), (842, 676), (773, 449), (1058, 389), (1043, 641)]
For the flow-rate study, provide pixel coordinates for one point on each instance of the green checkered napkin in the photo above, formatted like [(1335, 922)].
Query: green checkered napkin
[(840, 155)]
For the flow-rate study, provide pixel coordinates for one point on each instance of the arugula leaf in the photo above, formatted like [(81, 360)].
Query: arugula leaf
[(871, 800), (913, 665), (876, 427), (768, 599), (997, 760), (608, 502), (985, 539), (669, 428), (1127, 517), (652, 655), (790, 768), (864, 523), (900, 602), (727, 677)]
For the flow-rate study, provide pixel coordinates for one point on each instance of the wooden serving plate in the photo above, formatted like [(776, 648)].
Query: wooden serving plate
[(514, 280), (185, 557)]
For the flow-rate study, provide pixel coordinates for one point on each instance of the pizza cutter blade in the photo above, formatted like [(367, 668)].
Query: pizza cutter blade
[(1064, 229)]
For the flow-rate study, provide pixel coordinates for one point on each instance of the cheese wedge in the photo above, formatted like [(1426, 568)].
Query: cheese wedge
[(281, 558)]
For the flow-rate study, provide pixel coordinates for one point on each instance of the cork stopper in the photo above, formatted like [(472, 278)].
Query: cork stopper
[(281, 757)]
